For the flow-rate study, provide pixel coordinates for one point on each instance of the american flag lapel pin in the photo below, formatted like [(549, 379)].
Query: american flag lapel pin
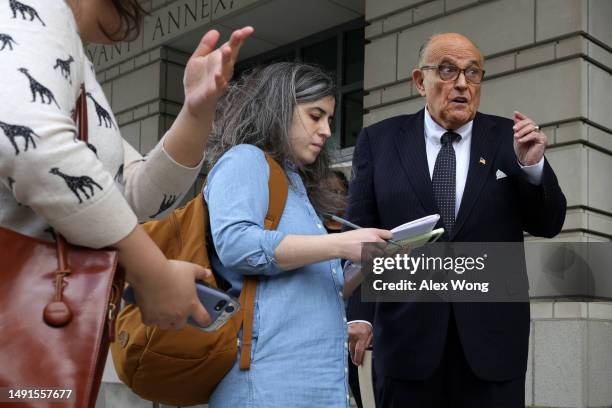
[(482, 161)]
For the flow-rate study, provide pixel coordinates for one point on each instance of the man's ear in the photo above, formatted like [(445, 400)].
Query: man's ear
[(417, 78)]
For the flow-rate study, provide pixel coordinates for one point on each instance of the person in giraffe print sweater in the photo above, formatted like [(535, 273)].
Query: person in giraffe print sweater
[(95, 193)]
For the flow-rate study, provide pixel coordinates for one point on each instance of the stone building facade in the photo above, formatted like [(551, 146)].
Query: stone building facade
[(551, 59)]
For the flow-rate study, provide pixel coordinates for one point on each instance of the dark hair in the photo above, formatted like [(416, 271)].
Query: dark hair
[(258, 109), (131, 13), (342, 177)]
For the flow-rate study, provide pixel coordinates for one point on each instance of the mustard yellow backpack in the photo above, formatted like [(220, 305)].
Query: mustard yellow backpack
[(184, 367)]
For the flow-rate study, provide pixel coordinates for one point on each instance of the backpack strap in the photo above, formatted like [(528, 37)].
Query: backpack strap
[(278, 188)]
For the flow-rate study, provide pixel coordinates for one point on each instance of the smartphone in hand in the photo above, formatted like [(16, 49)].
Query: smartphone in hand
[(219, 305)]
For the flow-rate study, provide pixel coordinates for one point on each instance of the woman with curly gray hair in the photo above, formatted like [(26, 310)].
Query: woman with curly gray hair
[(298, 354)]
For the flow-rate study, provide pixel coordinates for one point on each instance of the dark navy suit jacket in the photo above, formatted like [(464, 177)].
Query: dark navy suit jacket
[(391, 185)]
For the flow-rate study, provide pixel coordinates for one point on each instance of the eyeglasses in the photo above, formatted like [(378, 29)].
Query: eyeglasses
[(449, 72)]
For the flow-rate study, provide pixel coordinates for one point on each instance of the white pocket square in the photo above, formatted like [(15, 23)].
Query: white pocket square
[(500, 175)]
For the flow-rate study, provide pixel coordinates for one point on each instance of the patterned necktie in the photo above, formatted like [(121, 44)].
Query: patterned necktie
[(443, 181)]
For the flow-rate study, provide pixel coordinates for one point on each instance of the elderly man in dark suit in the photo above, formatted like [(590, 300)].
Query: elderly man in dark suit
[(488, 179)]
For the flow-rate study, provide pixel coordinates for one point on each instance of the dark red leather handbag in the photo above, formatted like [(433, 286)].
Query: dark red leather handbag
[(58, 304)]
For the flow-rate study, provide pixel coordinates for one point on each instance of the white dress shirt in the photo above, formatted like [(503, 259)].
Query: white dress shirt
[(433, 134)]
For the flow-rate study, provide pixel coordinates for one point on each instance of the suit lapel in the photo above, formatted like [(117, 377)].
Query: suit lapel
[(410, 143), (483, 149)]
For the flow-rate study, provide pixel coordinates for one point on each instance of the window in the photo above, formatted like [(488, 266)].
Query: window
[(324, 53), (352, 117)]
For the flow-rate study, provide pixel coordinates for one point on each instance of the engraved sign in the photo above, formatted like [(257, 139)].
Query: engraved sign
[(163, 25)]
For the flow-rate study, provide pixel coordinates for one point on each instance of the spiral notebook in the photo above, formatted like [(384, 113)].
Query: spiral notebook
[(418, 232)]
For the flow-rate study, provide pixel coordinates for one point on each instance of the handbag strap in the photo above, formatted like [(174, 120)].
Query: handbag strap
[(278, 188), (80, 115), (57, 313)]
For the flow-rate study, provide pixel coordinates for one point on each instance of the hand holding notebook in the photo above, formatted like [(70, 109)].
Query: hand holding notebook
[(406, 237), (418, 232)]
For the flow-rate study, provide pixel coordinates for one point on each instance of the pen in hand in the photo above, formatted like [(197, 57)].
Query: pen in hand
[(355, 226)]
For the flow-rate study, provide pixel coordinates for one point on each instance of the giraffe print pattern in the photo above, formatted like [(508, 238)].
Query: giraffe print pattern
[(102, 113), (12, 132), (119, 175), (24, 9), (64, 66), (92, 148), (38, 89), (7, 40), (77, 183), (167, 202), (76, 139), (51, 57), (11, 184)]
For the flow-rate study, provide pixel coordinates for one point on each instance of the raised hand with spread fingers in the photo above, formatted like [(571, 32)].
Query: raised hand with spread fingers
[(207, 75)]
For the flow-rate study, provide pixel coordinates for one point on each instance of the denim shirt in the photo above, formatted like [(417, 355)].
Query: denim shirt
[(299, 351)]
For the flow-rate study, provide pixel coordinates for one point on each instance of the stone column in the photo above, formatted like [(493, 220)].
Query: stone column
[(146, 94), (140, 96), (552, 60)]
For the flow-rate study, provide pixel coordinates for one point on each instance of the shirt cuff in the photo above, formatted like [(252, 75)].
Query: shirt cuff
[(196, 167), (533, 173), (360, 321), (168, 174), (269, 241)]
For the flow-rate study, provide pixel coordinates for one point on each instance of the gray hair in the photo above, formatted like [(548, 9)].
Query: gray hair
[(258, 110), (422, 50)]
